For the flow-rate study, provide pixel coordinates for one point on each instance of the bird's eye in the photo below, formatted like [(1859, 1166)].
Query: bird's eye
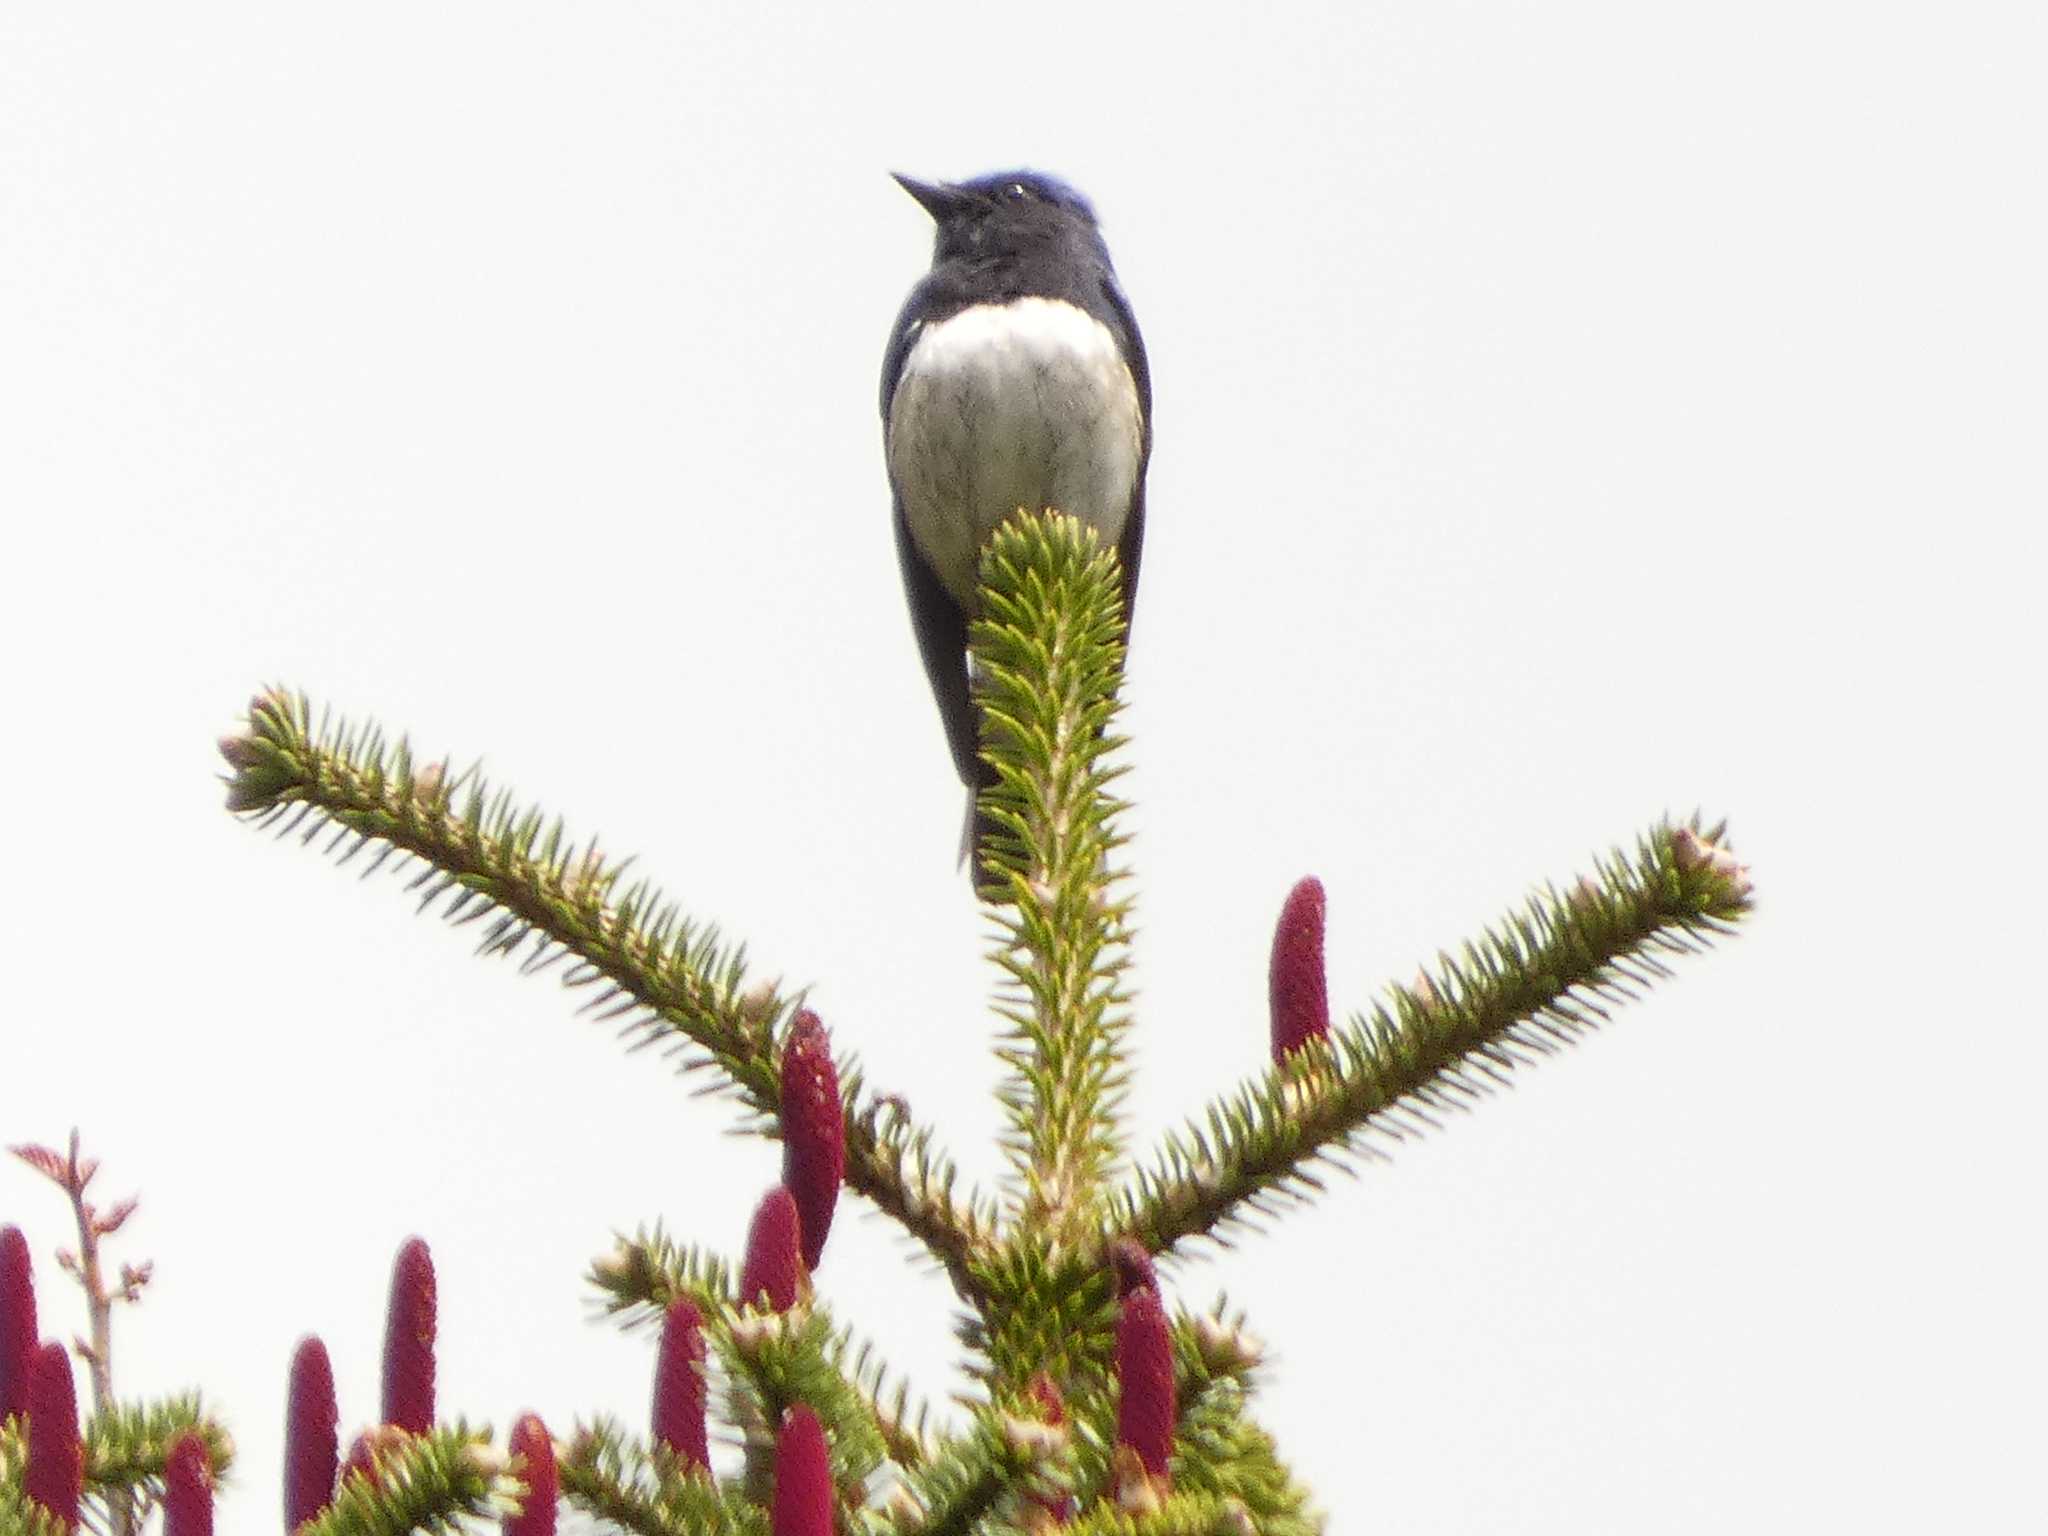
[(1017, 192)]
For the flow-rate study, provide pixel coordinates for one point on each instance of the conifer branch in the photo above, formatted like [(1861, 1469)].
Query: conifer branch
[(444, 1481), (887, 1151), (609, 1474), (645, 1273), (479, 855), (1222, 1460), (1051, 1312), (22, 1516), (769, 1360), (905, 1427), (125, 1445), (772, 1362), (1530, 986), (1180, 1514), (1221, 1452), (998, 1457), (1048, 655), (1098, 1415)]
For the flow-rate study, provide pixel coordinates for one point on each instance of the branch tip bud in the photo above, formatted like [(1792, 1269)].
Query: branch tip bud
[(1694, 854), (1227, 1351), (1033, 1440)]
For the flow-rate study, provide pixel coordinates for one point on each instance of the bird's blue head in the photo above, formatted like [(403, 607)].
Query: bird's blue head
[(1008, 211)]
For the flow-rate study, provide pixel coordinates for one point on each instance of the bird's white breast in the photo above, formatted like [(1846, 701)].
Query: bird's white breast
[(1001, 406)]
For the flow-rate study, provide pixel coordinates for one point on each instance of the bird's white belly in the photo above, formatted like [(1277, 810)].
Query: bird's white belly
[(1001, 406)]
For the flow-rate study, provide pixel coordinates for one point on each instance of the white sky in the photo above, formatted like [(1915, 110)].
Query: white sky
[(1564, 414)]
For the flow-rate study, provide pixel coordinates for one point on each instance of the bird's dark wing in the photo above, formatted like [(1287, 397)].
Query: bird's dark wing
[(1128, 549), (1131, 545), (908, 324), (938, 620), (941, 627)]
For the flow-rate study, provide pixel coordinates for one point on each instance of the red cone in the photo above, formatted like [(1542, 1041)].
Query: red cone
[(1296, 985), (312, 1445), (813, 1130), (409, 1340)]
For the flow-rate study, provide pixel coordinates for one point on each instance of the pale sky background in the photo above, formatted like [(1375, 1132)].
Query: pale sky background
[(1565, 414)]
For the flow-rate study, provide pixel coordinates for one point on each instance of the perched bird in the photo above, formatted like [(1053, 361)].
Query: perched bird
[(1015, 377)]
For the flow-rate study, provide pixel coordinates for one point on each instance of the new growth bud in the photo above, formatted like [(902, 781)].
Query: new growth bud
[(429, 781), (1225, 1350), (1139, 1492), (239, 751), (902, 1510), (1033, 1440), (1049, 1508), (1693, 853), (484, 1459), (1423, 993), (615, 1268), (751, 1332)]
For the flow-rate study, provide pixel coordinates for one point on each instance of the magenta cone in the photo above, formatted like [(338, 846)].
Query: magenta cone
[(813, 1130), (409, 1340), (1296, 985)]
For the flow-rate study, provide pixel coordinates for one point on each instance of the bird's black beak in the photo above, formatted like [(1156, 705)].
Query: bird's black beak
[(934, 197)]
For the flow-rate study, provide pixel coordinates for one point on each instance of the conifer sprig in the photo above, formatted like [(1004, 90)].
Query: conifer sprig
[(645, 1272), (1536, 982), (810, 1359), (610, 1474), (22, 1516), (903, 1424), (1048, 652), (772, 1363), (445, 1481), (480, 855), (996, 1458), (125, 1446), (1046, 1311), (1178, 1514)]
